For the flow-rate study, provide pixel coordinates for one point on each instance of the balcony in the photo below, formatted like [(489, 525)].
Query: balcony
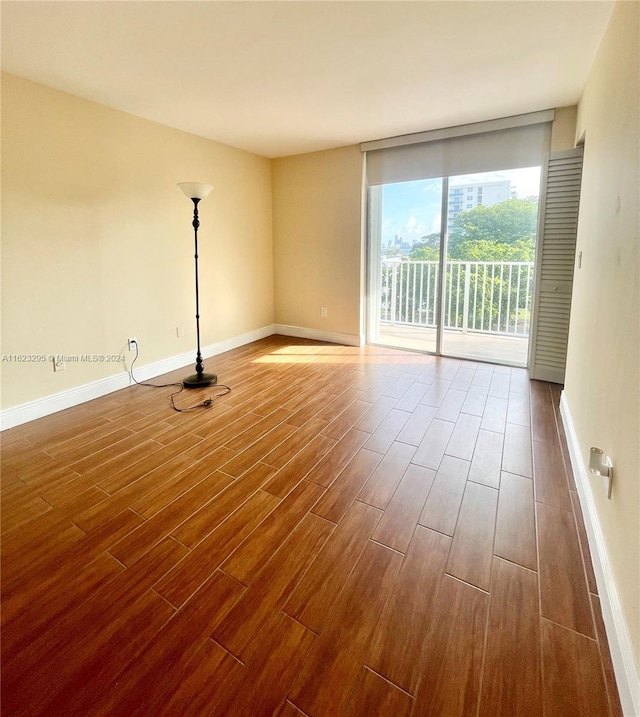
[(487, 308)]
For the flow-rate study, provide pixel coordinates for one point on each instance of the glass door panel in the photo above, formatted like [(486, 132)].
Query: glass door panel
[(404, 246), (489, 270)]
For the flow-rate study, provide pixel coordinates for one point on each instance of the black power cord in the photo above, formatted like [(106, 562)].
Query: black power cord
[(203, 404)]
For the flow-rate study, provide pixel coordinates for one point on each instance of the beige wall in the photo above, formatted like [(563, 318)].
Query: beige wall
[(97, 243), (563, 130), (603, 360), (317, 239)]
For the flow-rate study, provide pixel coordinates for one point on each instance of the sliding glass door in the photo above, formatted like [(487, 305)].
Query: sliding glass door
[(452, 264), (405, 221), (452, 235), (491, 246)]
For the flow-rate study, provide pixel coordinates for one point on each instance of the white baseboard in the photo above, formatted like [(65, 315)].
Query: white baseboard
[(17, 415), (626, 670), (332, 337), (25, 412)]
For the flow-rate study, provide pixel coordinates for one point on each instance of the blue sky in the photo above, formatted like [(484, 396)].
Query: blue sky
[(412, 209)]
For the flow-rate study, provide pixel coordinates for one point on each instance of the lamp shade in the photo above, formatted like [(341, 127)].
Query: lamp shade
[(195, 190)]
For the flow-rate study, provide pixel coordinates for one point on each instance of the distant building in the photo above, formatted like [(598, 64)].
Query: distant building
[(401, 244), (398, 246), (469, 196)]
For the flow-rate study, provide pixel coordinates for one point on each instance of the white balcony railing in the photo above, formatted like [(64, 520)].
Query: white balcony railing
[(480, 296)]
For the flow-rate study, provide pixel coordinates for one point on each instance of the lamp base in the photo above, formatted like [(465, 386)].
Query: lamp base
[(199, 380)]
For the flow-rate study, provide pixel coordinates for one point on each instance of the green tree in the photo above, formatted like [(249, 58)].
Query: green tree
[(432, 240), (422, 252), (501, 232), (485, 250)]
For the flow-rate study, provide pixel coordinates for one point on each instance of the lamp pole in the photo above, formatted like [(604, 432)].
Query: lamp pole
[(196, 192)]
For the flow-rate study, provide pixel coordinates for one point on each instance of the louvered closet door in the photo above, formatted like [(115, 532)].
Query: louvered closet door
[(554, 265)]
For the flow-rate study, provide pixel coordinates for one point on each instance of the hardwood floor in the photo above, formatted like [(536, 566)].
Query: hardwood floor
[(350, 531)]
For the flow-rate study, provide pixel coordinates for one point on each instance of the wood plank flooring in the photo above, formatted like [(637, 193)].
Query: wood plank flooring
[(350, 531)]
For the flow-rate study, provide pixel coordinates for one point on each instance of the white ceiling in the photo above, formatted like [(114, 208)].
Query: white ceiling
[(281, 78)]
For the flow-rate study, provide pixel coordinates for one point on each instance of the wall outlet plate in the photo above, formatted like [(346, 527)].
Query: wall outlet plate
[(132, 343)]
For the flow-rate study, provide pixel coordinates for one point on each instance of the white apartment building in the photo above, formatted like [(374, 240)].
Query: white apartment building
[(469, 196)]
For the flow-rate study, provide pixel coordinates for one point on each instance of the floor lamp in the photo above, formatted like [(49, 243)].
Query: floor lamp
[(196, 192)]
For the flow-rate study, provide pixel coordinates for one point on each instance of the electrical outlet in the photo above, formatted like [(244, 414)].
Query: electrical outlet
[(180, 331), (132, 343), (323, 312), (58, 363)]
